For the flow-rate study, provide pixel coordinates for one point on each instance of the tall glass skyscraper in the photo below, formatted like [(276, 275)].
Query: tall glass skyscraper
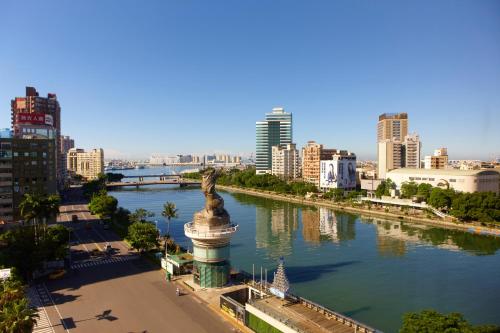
[(275, 130)]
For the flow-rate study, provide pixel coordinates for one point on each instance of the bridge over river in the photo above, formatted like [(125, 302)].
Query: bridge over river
[(162, 181)]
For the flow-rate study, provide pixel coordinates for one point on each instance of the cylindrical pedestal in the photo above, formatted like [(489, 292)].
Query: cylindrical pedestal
[(211, 265)]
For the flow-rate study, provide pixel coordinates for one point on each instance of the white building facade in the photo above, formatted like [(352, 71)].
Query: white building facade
[(286, 161)]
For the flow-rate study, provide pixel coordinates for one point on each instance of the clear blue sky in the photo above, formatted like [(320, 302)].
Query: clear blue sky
[(138, 77)]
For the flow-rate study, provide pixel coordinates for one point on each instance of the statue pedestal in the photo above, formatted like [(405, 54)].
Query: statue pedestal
[(211, 252)]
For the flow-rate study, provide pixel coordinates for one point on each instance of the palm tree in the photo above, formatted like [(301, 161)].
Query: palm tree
[(169, 211), (31, 209), (50, 208), (18, 317)]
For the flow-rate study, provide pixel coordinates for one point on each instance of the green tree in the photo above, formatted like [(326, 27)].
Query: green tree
[(39, 208), (169, 212), (430, 321), (409, 189), (440, 198), (11, 289), (143, 236), (384, 188), (103, 205), (17, 317), (94, 186), (114, 177), (479, 206), (140, 215), (424, 191)]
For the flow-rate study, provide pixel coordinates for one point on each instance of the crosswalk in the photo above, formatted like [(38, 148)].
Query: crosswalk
[(39, 299), (103, 261)]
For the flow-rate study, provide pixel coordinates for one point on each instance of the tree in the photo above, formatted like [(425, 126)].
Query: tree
[(114, 177), (384, 188), (143, 236), (441, 199), (35, 207), (50, 209), (169, 212), (429, 321), (140, 215), (424, 191), (17, 317), (338, 194), (94, 186), (409, 189), (483, 207), (103, 205), (30, 209)]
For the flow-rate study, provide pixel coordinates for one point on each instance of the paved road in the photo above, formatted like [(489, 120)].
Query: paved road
[(118, 293)]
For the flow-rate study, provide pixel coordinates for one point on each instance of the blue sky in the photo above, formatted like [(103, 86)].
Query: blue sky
[(142, 77)]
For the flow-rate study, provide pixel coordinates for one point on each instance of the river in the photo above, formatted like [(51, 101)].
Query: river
[(370, 269)]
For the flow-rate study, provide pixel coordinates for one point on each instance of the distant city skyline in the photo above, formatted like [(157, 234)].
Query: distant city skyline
[(193, 78)]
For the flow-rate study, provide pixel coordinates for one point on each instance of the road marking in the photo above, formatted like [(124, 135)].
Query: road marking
[(92, 263), (55, 306), (43, 324)]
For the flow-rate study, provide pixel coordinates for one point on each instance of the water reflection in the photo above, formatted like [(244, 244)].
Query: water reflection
[(394, 237), (322, 224), (277, 224), (275, 227)]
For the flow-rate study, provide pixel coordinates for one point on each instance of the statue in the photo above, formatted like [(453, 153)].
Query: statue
[(214, 213)]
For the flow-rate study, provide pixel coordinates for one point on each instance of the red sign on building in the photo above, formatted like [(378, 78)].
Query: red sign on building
[(34, 118)]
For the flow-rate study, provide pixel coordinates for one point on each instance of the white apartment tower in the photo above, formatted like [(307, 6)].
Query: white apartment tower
[(412, 148), (285, 161)]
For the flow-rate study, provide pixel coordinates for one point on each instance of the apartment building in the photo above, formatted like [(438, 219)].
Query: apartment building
[(312, 154), (86, 164), (285, 161)]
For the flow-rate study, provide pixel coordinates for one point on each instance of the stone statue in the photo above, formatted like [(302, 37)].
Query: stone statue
[(214, 214)]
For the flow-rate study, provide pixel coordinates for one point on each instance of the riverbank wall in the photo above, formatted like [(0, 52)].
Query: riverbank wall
[(367, 213)]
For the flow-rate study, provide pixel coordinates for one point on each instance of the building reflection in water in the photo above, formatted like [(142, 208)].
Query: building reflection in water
[(394, 238), (275, 228), (322, 224)]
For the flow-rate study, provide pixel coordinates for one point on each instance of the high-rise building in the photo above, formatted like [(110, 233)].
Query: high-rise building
[(312, 154), (392, 129), (86, 164), (33, 116), (438, 161), (6, 200), (412, 148), (286, 162), (392, 126), (275, 130), (65, 144), (389, 157), (33, 169)]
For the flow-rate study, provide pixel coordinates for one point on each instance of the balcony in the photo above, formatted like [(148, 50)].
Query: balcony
[(191, 231)]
